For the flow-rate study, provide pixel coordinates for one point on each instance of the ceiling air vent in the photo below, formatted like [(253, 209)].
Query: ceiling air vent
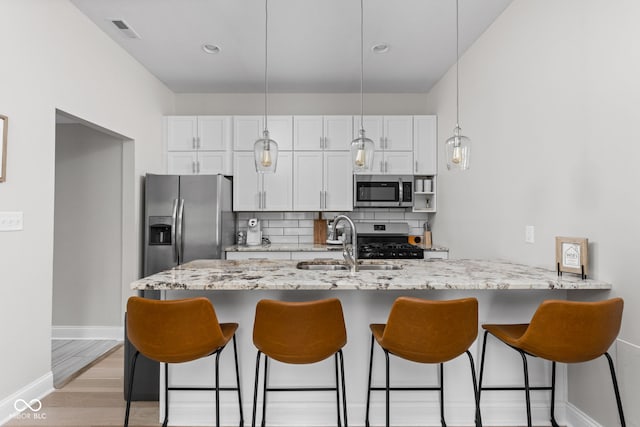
[(125, 28)]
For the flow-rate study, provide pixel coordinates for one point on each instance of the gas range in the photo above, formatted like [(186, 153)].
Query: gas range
[(386, 241)]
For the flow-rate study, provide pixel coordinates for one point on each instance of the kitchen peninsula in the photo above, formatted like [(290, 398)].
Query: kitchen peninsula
[(506, 291)]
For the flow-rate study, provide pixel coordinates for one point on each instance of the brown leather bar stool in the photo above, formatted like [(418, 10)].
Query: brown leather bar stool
[(175, 332), (561, 331), (426, 331), (299, 333)]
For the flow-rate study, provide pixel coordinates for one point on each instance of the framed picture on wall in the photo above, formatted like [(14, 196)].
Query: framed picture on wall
[(4, 121), (571, 255)]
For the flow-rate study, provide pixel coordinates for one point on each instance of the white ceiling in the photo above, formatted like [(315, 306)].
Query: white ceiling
[(314, 45)]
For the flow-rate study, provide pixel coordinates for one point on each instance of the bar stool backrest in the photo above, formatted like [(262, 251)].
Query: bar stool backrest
[(431, 331), (173, 331), (571, 331), (299, 332)]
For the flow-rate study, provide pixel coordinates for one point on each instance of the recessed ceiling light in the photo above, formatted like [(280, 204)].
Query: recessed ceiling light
[(211, 48), (380, 48)]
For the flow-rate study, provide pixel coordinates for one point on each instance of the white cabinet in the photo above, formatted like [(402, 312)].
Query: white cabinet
[(393, 138), (424, 193), (248, 129), (425, 145), (322, 181), (198, 144), (262, 192), (332, 133)]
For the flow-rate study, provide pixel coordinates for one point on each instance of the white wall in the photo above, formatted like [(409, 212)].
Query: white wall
[(550, 98), (300, 103), (87, 270), (55, 57)]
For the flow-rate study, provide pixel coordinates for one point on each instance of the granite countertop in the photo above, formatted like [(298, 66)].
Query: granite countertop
[(301, 247), (435, 274)]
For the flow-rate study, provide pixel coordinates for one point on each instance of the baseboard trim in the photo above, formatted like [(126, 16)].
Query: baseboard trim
[(87, 333), (38, 389), (577, 418)]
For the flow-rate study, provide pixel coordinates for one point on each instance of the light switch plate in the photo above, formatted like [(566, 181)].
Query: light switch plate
[(10, 221), (529, 234)]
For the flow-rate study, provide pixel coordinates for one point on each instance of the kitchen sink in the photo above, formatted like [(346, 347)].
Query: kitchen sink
[(341, 266)]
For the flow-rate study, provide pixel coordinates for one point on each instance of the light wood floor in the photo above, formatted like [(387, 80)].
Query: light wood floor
[(69, 358)]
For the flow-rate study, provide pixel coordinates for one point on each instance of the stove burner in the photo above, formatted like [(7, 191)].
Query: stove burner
[(389, 250)]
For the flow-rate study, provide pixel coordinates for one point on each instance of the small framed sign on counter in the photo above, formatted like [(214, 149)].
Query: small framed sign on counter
[(572, 255)]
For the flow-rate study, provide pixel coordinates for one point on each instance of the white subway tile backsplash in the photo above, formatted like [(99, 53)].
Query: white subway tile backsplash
[(298, 231), (306, 223), (389, 216), (283, 223), (269, 215), (305, 239), (272, 231), (284, 239), (416, 215)]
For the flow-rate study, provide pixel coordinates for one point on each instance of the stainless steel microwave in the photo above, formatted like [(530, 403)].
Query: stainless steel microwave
[(382, 191)]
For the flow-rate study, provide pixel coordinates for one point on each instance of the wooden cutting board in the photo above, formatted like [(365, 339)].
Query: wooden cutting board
[(319, 230)]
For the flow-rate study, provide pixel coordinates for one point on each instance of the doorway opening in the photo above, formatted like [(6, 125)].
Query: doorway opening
[(93, 219)]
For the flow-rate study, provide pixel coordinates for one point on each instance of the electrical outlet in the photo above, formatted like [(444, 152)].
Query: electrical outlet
[(529, 234), (10, 221)]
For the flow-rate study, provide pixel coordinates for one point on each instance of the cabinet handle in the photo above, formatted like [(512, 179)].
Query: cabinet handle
[(381, 165), (199, 145), (193, 143), (320, 199), (198, 166), (325, 200), (264, 200), (382, 142), (386, 166), (386, 142), (321, 143), (193, 167)]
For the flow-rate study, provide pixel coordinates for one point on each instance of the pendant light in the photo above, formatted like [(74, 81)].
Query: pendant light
[(266, 149), (362, 148), (458, 146)]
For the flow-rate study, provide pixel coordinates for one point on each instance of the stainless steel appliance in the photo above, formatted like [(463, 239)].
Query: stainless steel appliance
[(386, 241), (187, 217), (377, 191), (254, 232)]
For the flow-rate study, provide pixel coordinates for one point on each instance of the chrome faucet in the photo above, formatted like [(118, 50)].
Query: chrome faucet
[(350, 255)]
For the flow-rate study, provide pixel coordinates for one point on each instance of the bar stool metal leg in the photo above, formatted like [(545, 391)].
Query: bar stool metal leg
[(217, 388), (476, 392), (133, 371), (366, 422), (166, 395), (255, 390), (616, 390), (386, 355), (441, 379), (235, 356), (335, 358), (344, 389), (264, 391), (554, 423), (526, 386)]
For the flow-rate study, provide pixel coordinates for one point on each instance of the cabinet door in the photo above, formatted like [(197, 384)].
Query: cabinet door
[(338, 131), (338, 181), (398, 133), (214, 133), (181, 133), (307, 181), (245, 182), (425, 147), (182, 162), (307, 133), (246, 131), (373, 126), (212, 162), (278, 187), (398, 162), (281, 131)]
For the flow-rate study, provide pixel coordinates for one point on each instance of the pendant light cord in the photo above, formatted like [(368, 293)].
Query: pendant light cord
[(266, 50), (361, 64), (457, 67)]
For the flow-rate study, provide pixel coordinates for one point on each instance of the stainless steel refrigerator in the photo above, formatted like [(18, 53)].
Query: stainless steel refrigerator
[(187, 217)]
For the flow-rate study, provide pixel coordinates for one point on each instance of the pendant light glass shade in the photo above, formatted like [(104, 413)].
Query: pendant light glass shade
[(265, 149), (362, 149), (458, 146), (458, 151), (266, 153)]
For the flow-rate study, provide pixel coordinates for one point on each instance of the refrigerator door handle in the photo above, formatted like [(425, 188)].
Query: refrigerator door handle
[(179, 242), (174, 216)]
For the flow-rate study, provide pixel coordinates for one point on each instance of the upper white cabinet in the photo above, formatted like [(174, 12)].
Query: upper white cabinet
[(322, 181), (262, 192), (198, 144), (425, 145), (248, 129), (312, 133), (393, 139)]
